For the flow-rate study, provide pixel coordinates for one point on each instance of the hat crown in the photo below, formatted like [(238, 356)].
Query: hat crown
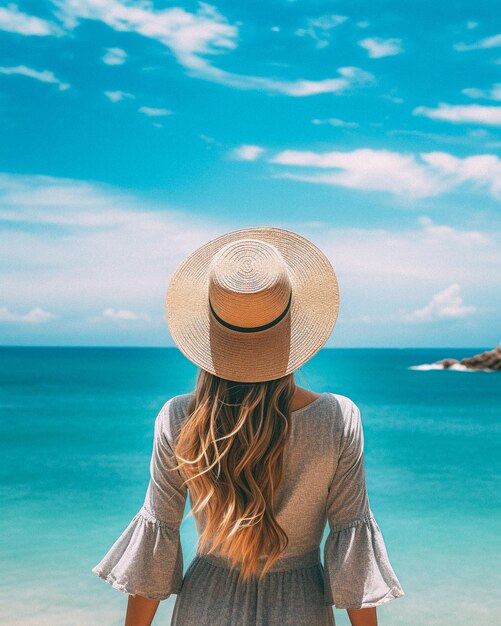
[(249, 283)]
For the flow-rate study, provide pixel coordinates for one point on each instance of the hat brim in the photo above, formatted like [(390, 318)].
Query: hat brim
[(267, 354)]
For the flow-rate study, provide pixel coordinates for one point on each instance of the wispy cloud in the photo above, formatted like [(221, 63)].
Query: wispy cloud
[(442, 234), (247, 152), (494, 93), (409, 261), (36, 315), (334, 121), (44, 76), (483, 170), (114, 56), (349, 78), (319, 28), (154, 112), (14, 21), (462, 113), (436, 137), (385, 274), (124, 315), (90, 238), (488, 42), (195, 37), (377, 47), (392, 97), (364, 168), (210, 141), (447, 304), (426, 175), (86, 237), (116, 96)]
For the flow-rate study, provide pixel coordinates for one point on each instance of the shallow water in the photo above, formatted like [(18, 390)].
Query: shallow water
[(76, 428)]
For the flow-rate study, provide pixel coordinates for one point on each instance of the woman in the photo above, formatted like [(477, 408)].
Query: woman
[(266, 463)]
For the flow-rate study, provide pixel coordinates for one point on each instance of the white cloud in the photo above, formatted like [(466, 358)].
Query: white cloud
[(34, 316), (436, 234), (192, 37), (124, 315), (114, 56), (447, 304), (152, 112), (94, 239), (45, 76), (494, 93), (247, 152), (385, 273), (335, 121), (377, 47), (364, 169), (483, 170), (89, 238), (471, 25), (432, 174), (487, 42), (384, 270), (319, 28), (462, 114), (116, 96), (14, 21), (350, 77)]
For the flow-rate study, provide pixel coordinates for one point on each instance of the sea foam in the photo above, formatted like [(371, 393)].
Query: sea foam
[(457, 367)]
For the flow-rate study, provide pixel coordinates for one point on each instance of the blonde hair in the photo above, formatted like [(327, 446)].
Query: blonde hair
[(231, 449)]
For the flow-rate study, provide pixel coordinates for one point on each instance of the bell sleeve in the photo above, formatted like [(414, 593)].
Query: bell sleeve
[(358, 573), (147, 557)]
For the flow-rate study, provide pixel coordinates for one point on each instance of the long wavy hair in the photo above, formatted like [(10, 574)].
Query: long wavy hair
[(230, 451)]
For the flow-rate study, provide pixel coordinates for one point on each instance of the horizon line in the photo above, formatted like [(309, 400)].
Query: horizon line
[(109, 347)]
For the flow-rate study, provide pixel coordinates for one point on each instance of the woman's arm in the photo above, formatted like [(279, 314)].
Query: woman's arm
[(363, 617), (140, 611)]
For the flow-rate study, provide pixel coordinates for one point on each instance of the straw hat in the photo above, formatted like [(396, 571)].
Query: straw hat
[(253, 305)]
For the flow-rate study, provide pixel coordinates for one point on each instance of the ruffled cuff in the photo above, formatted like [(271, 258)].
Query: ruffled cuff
[(358, 573), (146, 559)]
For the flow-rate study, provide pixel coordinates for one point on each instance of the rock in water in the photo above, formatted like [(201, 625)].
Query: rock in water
[(486, 360), (489, 361), (448, 363)]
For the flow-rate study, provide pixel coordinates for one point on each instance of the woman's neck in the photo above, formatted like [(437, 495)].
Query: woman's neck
[(303, 397)]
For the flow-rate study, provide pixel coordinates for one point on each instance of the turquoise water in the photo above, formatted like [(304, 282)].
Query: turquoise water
[(76, 428)]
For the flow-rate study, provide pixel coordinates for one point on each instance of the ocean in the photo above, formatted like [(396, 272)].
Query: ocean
[(76, 429)]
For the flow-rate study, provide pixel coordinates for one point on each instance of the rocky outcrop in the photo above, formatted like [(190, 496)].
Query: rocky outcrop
[(490, 360)]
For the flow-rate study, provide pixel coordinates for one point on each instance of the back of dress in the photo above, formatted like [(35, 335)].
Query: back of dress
[(323, 482)]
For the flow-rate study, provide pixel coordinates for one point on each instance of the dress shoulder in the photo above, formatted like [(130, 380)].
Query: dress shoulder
[(173, 414), (346, 406), (345, 419)]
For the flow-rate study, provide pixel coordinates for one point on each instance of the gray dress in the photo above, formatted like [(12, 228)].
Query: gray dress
[(323, 481)]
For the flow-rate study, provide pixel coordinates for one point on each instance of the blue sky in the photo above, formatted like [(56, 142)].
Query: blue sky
[(133, 132)]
